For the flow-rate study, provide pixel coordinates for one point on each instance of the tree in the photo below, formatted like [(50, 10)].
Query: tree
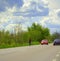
[(55, 35), (37, 32)]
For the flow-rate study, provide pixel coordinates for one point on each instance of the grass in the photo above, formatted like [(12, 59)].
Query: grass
[(17, 45)]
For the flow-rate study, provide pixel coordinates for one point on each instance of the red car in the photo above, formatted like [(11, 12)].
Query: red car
[(44, 42)]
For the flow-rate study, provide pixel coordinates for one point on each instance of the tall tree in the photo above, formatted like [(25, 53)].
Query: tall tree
[(37, 32)]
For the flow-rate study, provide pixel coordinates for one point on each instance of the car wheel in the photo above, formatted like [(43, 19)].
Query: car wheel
[(54, 44), (47, 44), (41, 44)]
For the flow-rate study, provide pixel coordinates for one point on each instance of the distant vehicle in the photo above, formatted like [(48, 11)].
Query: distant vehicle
[(44, 42), (56, 42)]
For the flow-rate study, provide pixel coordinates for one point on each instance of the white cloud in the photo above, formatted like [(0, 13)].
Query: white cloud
[(11, 10), (54, 4), (8, 18), (51, 19), (24, 27), (1, 27), (13, 27), (43, 20), (28, 5), (45, 1), (10, 26), (5, 16), (8, 15), (54, 7)]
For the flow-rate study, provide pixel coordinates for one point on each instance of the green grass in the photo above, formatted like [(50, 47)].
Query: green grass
[(35, 43), (17, 45)]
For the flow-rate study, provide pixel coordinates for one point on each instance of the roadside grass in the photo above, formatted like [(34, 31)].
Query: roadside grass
[(17, 45), (35, 43)]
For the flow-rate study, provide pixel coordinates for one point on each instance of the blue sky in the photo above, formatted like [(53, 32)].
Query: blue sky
[(26, 12)]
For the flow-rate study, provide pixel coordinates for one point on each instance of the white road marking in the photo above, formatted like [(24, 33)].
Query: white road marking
[(57, 55), (54, 60)]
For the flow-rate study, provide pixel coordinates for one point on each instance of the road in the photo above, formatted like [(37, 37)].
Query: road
[(31, 53)]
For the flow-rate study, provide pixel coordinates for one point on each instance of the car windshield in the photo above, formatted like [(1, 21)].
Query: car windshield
[(57, 40), (44, 40)]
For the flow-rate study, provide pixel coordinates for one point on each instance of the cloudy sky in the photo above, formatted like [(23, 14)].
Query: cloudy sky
[(26, 12)]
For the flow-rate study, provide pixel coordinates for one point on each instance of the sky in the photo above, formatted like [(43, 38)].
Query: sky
[(26, 12)]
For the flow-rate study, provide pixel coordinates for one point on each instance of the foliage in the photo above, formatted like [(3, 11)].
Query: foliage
[(21, 38), (55, 36), (37, 32)]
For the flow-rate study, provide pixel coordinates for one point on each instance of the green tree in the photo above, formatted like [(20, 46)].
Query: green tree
[(55, 35), (37, 32)]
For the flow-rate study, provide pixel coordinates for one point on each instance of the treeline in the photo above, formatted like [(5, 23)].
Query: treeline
[(35, 32)]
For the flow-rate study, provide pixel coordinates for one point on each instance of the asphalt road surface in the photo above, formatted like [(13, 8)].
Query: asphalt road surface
[(31, 53)]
